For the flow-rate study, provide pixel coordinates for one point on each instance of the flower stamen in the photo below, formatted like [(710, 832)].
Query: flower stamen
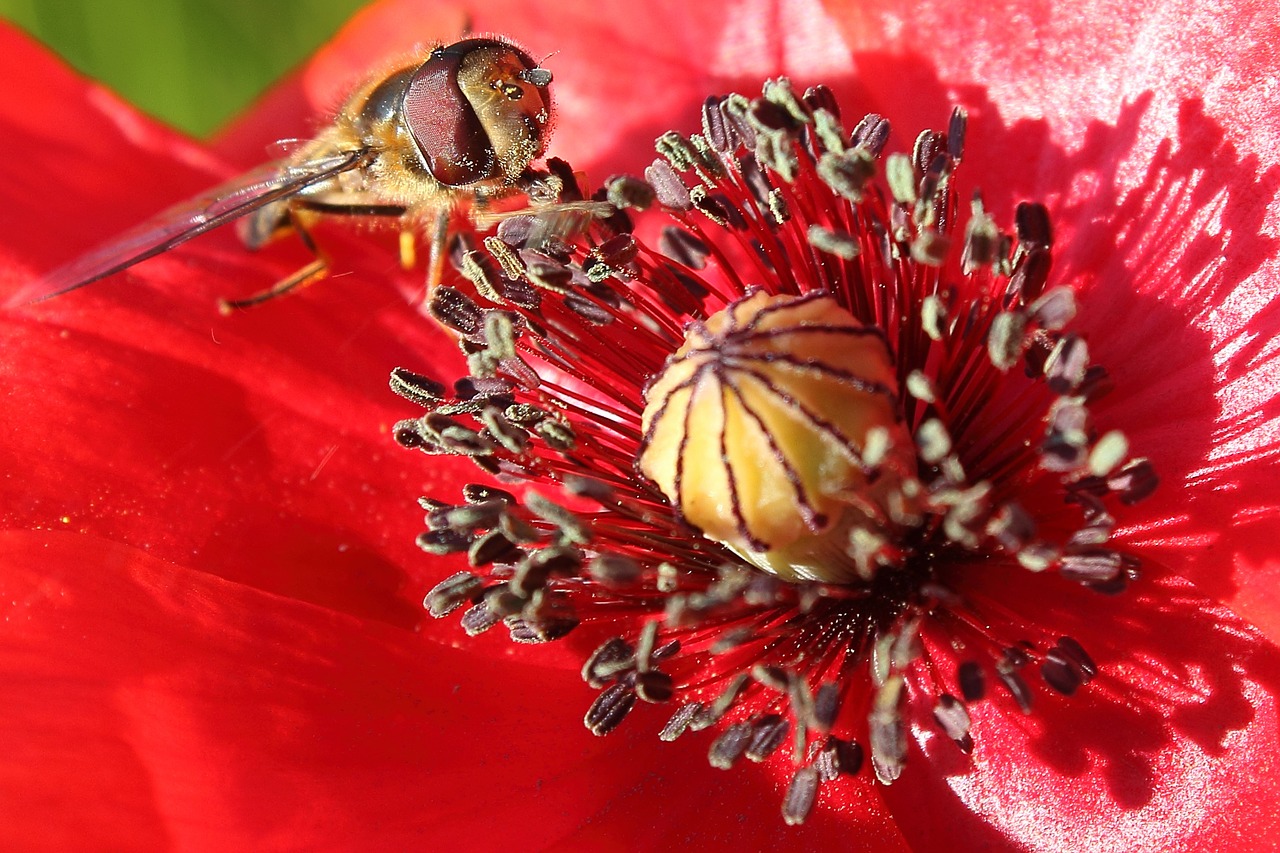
[(786, 440)]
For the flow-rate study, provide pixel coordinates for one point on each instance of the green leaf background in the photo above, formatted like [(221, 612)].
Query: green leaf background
[(191, 63)]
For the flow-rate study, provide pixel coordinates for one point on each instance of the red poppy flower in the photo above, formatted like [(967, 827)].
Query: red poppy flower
[(212, 635)]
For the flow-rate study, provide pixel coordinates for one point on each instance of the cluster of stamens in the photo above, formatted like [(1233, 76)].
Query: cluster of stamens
[(768, 513)]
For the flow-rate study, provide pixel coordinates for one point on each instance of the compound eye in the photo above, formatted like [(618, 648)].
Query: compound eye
[(444, 124), (479, 112)]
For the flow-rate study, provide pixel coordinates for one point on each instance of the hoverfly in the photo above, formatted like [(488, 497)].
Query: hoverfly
[(462, 127)]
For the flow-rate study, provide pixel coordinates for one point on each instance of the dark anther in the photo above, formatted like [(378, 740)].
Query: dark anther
[(563, 170), (767, 734), (654, 686), (520, 293), (768, 115), (549, 275), (612, 658), (667, 650), (956, 129), (456, 310), (871, 134), (441, 542), (683, 248), (973, 685), (492, 547), (1030, 275), (935, 170), (451, 593), (521, 372), (667, 186), (478, 619), (826, 706), (690, 283), (801, 794), (820, 98), (717, 208), (931, 247), (408, 434), (756, 179), (680, 721), (1079, 658), (1033, 227), (416, 388), (610, 709), (1134, 481), (729, 746), (716, 127), (1059, 673), (929, 144), (586, 309), (618, 251), (515, 230)]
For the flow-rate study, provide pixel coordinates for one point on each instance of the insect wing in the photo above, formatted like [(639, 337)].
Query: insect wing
[(190, 219)]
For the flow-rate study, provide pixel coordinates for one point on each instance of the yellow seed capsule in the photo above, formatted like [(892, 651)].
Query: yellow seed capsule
[(756, 429)]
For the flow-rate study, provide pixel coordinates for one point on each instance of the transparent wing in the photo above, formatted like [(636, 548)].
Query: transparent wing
[(189, 219)]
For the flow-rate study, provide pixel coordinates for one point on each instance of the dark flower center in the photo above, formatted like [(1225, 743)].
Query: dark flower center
[(770, 455)]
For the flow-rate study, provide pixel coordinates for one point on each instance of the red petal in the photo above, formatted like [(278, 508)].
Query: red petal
[(150, 706)]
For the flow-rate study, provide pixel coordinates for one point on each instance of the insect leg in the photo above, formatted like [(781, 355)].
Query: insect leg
[(301, 209), (312, 272)]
